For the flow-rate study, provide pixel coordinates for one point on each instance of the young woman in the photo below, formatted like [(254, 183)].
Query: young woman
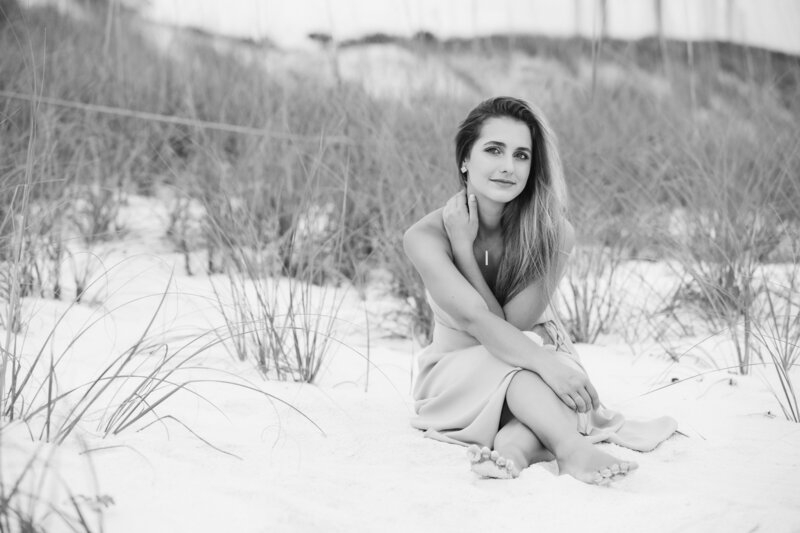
[(500, 375)]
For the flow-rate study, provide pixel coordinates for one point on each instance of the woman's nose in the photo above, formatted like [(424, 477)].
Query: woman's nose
[(507, 164)]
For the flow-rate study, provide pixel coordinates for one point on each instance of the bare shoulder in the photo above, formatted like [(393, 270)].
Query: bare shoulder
[(426, 232), (428, 247), (432, 222)]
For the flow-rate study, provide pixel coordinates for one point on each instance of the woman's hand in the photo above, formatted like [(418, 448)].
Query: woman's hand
[(461, 219), (571, 385)]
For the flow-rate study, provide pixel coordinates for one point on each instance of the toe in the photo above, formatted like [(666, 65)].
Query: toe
[(623, 467), (615, 469), (486, 452), (494, 456), (501, 461), (606, 473), (474, 453), (633, 465), (510, 465)]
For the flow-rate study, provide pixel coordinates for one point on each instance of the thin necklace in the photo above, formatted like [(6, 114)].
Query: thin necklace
[(486, 255)]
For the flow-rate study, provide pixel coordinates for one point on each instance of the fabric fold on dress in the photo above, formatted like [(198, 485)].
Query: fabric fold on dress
[(460, 390)]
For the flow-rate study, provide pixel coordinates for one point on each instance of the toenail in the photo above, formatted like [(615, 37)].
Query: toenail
[(605, 472)]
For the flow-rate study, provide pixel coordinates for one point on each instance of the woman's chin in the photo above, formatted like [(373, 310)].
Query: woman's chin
[(501, 197)]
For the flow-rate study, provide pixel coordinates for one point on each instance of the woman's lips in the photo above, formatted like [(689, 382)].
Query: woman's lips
[(503, 182)]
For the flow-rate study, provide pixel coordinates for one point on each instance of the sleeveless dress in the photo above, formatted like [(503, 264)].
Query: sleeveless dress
[(460, 390)]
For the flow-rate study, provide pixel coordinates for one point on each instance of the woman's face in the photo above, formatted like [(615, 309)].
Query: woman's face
[(500, 160)]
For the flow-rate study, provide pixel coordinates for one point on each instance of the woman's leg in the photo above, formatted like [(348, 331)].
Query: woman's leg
[(515, 448), (536, 406), (517, 443)]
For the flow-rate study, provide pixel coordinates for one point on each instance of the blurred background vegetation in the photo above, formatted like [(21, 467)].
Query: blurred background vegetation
[(312, 164)]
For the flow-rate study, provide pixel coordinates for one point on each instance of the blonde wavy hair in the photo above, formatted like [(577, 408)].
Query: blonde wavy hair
[(532, 223)]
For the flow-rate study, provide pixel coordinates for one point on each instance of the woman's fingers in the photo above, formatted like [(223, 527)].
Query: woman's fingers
[(579, 402), (472, 206), (456, 206), (458, 202), (567, 399), (593, 393), (587, 400)]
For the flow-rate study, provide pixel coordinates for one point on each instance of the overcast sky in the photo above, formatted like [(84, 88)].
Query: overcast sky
[(772, 24)]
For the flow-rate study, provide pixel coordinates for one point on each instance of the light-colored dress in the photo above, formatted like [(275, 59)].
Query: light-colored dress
[(460, 390)]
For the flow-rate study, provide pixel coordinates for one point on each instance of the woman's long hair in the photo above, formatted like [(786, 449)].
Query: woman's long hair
[(533, 222)]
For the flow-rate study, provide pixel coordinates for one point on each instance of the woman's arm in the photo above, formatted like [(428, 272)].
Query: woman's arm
[(427, 249), (426, 244), (529, 305), (460, 218)]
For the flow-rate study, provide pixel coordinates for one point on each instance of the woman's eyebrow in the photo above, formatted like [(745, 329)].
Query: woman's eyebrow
[(503, 145)]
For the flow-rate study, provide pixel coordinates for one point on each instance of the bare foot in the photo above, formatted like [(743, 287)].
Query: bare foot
[(586, 463), (488, 463)]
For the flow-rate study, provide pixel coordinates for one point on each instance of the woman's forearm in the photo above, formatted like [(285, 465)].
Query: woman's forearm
[(468, 266), (507, 343), (502, 339)]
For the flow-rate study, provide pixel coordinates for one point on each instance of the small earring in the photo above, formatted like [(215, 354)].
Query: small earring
[(463, 169)]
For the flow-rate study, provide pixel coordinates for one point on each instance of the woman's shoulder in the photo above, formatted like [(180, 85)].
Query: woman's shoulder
[(428, 231), (431, 224)]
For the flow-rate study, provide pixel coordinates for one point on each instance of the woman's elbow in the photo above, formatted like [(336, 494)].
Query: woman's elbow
[(473, 317)]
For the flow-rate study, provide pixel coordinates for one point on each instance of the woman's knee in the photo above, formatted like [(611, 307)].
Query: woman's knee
[(527, 387), (526, 379)]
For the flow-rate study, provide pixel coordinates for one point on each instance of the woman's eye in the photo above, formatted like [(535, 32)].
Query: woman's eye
[(523, 156), (493, 150)]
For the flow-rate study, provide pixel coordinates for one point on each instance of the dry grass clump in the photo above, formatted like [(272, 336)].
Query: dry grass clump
[(733, 199), (281, 304), (776, 332)]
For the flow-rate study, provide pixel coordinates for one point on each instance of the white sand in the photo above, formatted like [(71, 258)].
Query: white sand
[(736, 469)]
